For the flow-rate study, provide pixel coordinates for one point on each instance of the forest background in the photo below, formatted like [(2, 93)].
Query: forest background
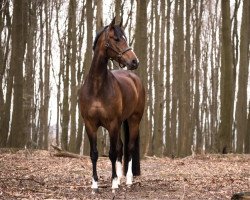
[(194, 62)]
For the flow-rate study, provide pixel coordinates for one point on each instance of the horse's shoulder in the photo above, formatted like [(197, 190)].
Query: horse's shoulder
[(124, 74)]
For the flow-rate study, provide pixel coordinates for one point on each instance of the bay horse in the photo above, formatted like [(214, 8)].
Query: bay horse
[(110, 99)]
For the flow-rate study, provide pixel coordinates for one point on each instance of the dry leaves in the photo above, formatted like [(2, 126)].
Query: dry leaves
[(40, 175)]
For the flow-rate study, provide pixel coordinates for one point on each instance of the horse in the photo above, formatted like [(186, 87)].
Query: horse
[(113, 99)]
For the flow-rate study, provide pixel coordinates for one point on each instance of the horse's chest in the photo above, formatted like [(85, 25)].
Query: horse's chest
[(103, 111), (97, 109)]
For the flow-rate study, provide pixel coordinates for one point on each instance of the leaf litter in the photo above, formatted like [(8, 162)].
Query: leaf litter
[(40, 175)]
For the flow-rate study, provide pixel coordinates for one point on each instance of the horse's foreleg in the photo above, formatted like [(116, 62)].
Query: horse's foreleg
[(94, 156), (113, 157)]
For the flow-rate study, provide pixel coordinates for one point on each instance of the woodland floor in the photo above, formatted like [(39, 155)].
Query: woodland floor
[(40, 175)]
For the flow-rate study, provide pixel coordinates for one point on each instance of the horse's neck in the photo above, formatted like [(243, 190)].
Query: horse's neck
[(98, 72)]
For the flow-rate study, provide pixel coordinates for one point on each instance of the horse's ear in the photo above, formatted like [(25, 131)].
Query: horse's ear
[(112, 23), (121, 22)]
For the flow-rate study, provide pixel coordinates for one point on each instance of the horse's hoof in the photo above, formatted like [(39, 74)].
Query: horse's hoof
[(115, 183), (119, 181), (95, 191), (129, 180)]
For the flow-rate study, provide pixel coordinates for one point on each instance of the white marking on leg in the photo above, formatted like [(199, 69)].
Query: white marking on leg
[(119, 171), (129, 175), (94, 184), (114, 184)]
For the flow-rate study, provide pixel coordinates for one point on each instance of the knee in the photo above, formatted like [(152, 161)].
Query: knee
[(94, 155), (119, 148), (112, 155), (131, 147)]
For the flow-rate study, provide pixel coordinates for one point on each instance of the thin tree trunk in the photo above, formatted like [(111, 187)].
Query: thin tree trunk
[(198, 13), (225, 131), (72, 25), (214, 80), (241, 106), (140, 47), (41, 81), (149, 150), (5, 106), (247, 136), (46, 75), (118, 10), (168, 92), (79, 137), (29, 74), (187, 85), (157, 133), (182, 132), (174, 87), (88, 57)]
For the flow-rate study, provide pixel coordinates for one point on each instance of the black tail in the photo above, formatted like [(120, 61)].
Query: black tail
[(135, 153)]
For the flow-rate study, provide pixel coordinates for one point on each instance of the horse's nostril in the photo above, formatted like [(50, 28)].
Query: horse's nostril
[(135, 62)]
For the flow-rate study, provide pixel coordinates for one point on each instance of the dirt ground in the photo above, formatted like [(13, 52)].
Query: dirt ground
[(40, 175)]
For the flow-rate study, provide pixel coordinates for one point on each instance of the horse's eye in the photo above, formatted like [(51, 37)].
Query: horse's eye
[(117, 39)]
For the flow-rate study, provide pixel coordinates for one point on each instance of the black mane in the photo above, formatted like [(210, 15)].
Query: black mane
[(118, 33), (97, 37)]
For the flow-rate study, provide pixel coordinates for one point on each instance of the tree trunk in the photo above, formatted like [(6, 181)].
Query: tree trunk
[(17, 136), (198, 14), (79, 137), (247, 136), (5, 106), (118, 10), (182, 131), (41, 81), (174, 85), (158, 69), (46, 74), (140, 47), (88, 57), (187, 85), (241, 105), (168, 92), (214, 62), (30, 74), (225, 131), (149, 150), (72, 26)]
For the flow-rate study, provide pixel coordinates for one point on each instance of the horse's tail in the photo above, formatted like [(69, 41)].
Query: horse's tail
[(135, 153)]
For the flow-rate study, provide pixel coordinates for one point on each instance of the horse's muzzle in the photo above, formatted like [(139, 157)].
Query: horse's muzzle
[(133, 64)]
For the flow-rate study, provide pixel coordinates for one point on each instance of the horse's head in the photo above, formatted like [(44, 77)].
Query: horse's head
[(116, 47)]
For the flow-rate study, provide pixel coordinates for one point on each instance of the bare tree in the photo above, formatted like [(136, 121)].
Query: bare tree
[(73, 98), (17, 136), (167, 150), (140, 48), (88, 56), (225, 130), (158, 80), (4, 51), (241, 106)]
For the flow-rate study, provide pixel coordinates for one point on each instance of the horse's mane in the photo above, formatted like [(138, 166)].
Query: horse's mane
[(97, 36), (118, 33)]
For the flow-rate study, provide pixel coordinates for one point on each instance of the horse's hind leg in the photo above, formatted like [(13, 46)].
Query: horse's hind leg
[(91, 132), (133, 150), (119, 159), (113, 153)]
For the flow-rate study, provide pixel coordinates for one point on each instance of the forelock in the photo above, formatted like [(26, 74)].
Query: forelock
[(118, 31)]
